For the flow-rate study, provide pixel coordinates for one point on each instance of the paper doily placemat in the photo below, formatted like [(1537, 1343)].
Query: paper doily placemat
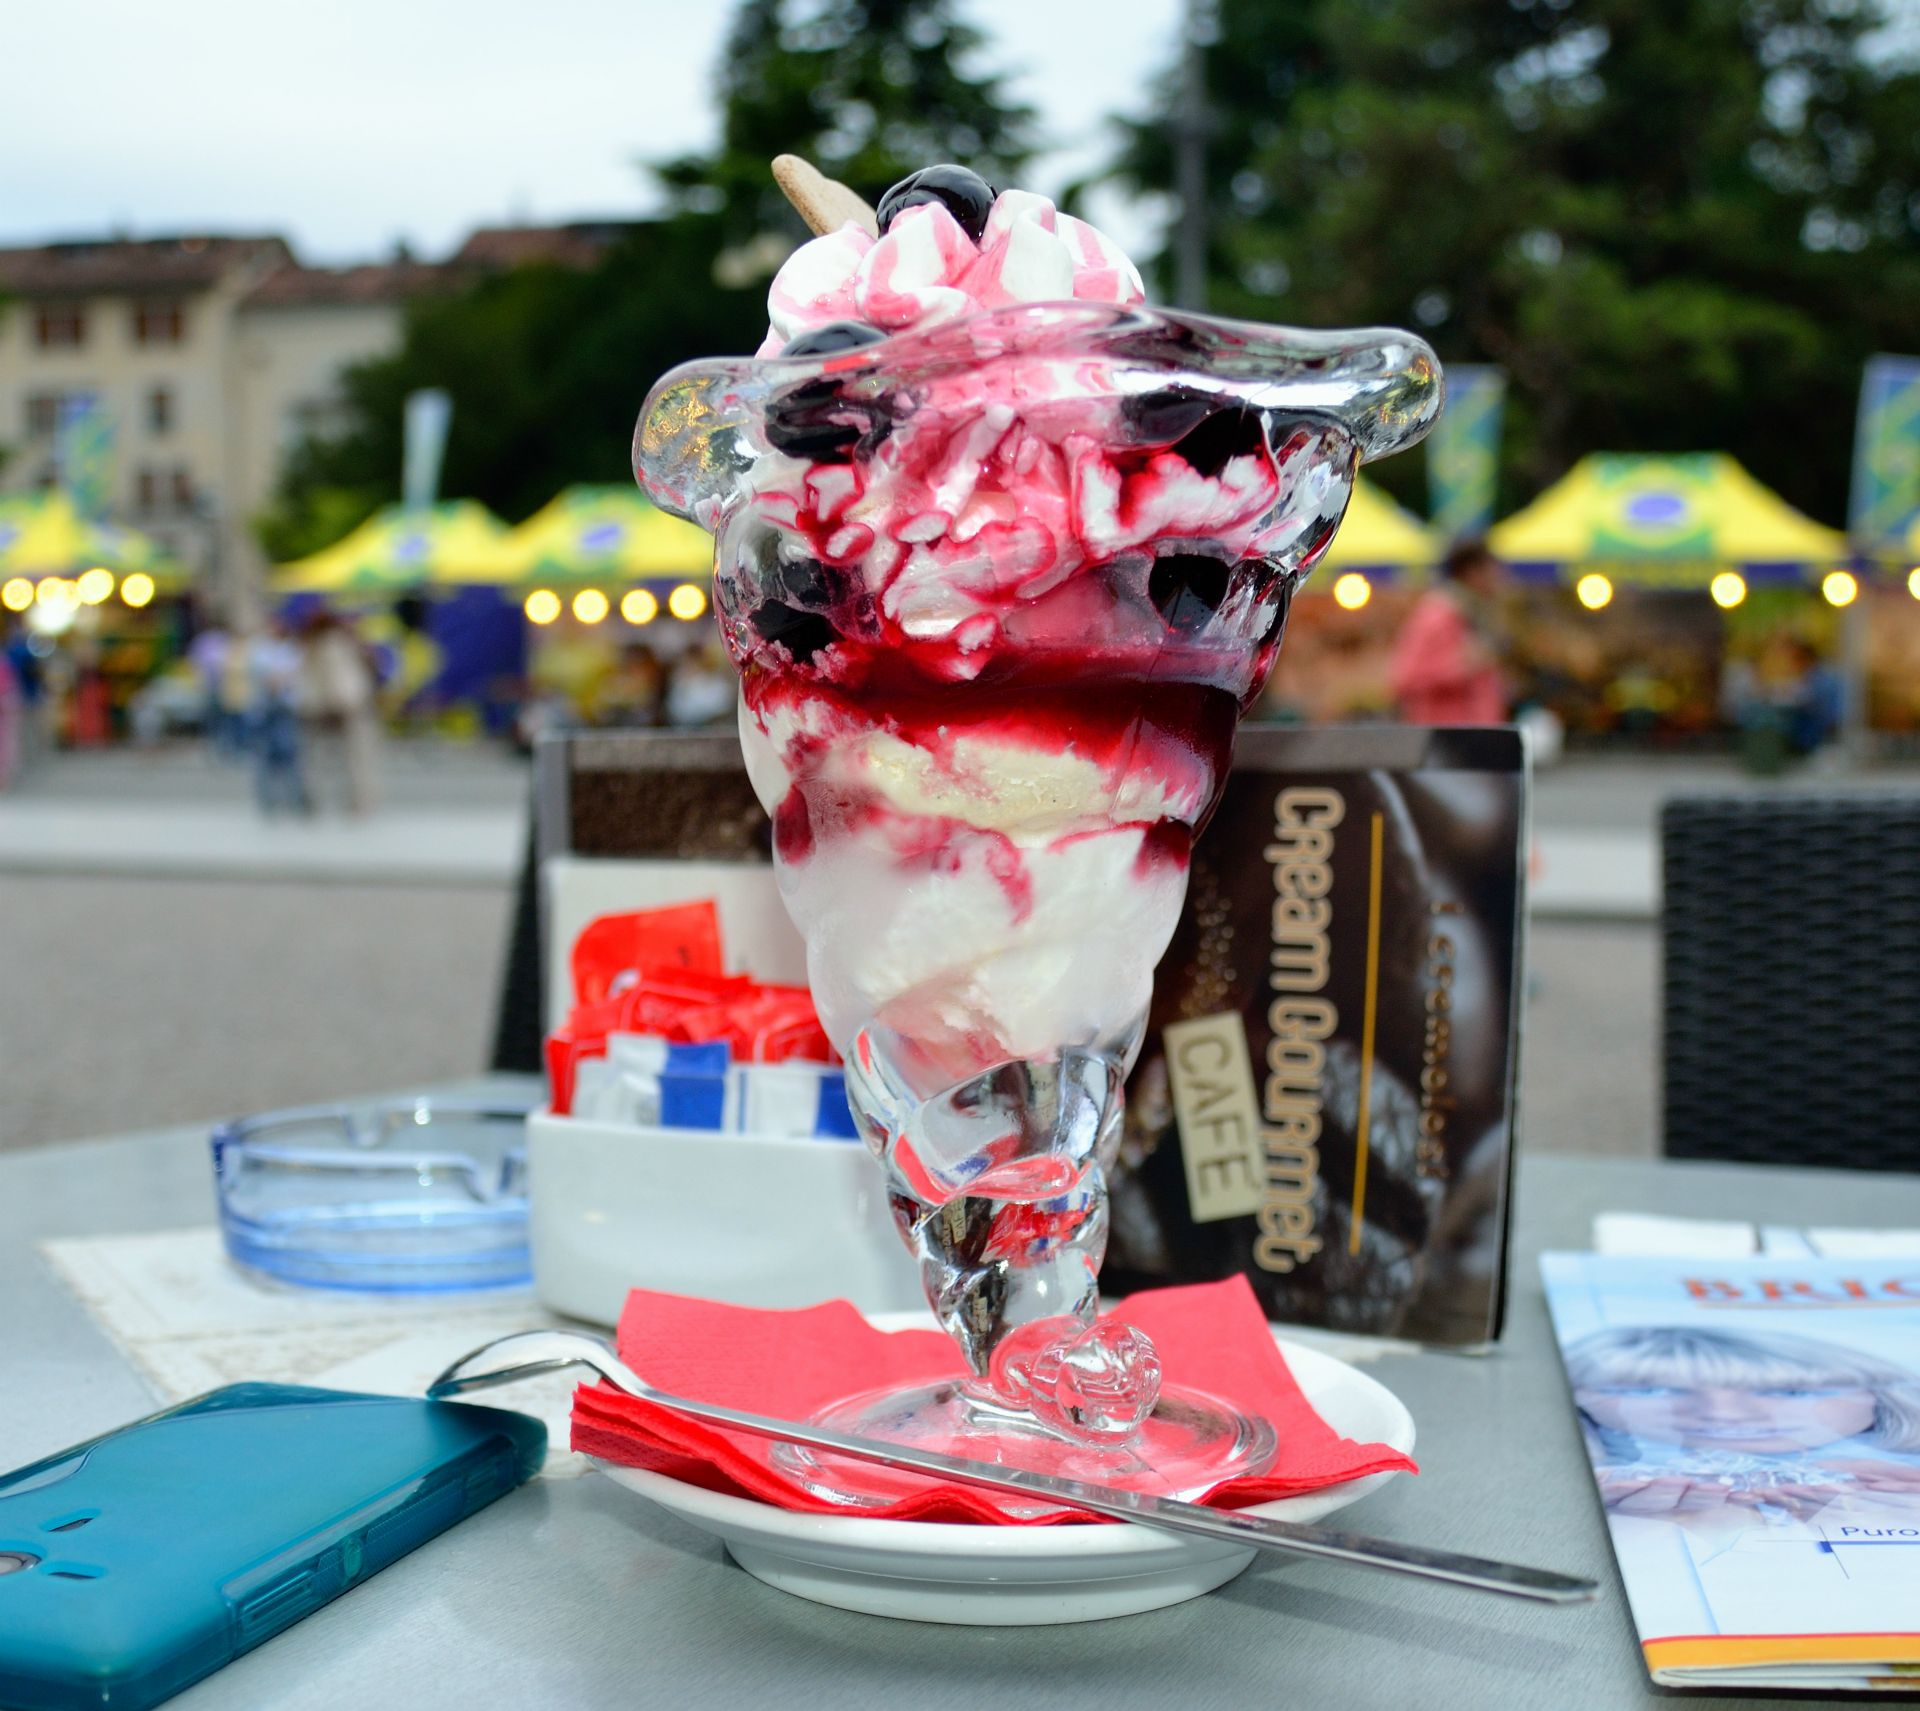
[(187, 1320)]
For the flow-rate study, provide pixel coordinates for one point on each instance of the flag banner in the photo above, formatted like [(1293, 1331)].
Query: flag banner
[(429, 414), (1463, 453), (1886, 454), (83, 454)]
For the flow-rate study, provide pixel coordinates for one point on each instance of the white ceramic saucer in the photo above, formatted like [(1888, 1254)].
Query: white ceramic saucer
[(1017, 1576)]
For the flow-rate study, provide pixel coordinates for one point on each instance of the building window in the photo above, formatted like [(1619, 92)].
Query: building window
[(166, 488), (159, 324), (60, 326), (43, 415), (160, 415)]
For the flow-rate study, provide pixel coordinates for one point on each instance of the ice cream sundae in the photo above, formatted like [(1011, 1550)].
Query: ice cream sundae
[(1002, 557)]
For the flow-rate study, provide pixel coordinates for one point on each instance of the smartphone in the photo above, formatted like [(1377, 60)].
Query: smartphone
[(135, 1564)]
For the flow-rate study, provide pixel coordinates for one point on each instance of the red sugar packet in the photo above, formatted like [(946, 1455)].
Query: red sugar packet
[(683, 935), (659, 972), (1210, 1336)]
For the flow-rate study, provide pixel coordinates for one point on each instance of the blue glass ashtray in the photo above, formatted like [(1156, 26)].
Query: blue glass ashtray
[(411, 1196)]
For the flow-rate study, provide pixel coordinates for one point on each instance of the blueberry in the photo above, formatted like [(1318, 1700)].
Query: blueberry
[(802, 634), (1187, 589), (807, 582), (1221, 437), (1160, 418), (965, 195), (834, 336), (820, 422)]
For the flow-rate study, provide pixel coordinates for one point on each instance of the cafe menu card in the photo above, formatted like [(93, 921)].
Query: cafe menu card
[(1754, 1431), (1324, 1104)]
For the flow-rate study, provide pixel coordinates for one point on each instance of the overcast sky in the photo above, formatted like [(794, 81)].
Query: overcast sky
[(356, 123)]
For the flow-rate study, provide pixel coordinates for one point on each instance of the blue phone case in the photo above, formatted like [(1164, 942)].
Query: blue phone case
[(143, 1560)]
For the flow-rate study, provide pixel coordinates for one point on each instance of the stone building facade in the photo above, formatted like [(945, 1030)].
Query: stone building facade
[(211, 356)]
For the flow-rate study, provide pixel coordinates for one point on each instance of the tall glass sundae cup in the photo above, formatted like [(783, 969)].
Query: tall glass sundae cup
[(1000, 589)]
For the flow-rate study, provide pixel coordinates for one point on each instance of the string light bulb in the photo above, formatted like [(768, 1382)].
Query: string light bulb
[(1593, 591), (1728, 589)]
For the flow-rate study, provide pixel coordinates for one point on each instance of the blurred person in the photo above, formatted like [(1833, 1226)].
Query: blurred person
[(1755, 689), (272, 661), (234, 691), (210, 653), (1815, 698), (13, 718), (29, 680), (636, 692), (1445, 668), (56, 696), (702, 687), (90, 724), (1739, 692), (338, 702)]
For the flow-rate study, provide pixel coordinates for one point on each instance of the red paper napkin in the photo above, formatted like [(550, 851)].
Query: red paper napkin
[(1210, 1336)]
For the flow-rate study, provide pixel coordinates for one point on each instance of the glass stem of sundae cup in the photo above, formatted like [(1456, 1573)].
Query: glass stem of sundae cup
[(998, 1186)]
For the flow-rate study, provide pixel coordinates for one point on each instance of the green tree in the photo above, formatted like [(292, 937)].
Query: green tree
[(1678, 224), (869, 90), (548, 367)]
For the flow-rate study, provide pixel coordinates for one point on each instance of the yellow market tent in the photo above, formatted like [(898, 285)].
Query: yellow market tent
[(1378, 537), (41, 534), (604, 535), (449, 545), (1664, 522)]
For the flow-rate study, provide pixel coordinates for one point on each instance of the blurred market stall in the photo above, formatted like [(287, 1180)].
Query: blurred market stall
[(604, 535), (400, 549), (84, 593), (1693, 597), (44, 535), (597, 569), (1663, 522)]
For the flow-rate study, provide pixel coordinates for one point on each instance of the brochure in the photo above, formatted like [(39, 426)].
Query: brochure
[(1754, 1429)]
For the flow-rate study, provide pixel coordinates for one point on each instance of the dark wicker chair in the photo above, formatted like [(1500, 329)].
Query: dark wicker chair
[(1792, 940)]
